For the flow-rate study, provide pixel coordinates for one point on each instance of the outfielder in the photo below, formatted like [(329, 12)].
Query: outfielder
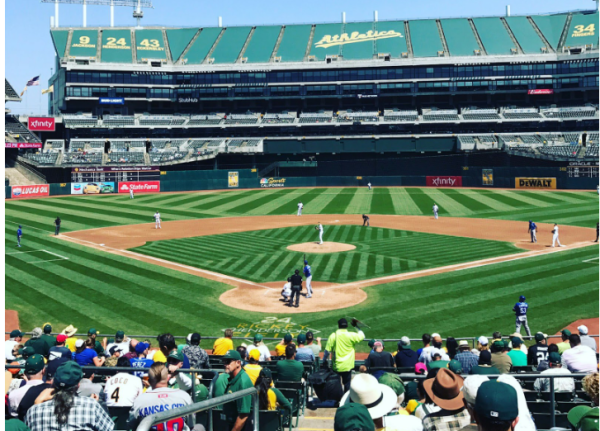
[(435, 211), (520, 310), (130, 193), (300, 206), (308, 275), (532, 230), (319, 227), (19, 234), (369, 184), (156, 220), (555, 236)]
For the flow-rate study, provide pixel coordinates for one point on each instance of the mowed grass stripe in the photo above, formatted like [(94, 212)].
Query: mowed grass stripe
[(223, 207), (403, 203), (284, 200), (381, 202), (318, 203), (508, 198), (264, 198), (484, 198), (339, 203), (424, 201), (361, 201), (451, 205), (224, 198), (474, 205), (308, 199)]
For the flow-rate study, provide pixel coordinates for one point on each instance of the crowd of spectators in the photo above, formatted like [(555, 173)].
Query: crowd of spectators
[(462, 388)]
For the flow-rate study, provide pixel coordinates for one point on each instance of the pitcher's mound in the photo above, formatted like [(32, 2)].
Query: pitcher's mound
[(326, 247)]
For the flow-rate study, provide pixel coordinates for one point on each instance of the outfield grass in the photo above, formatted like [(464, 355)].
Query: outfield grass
[(109, 292), (379, 252)]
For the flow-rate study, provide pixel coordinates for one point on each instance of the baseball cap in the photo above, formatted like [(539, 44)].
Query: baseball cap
[(404, 343), (498, 346), (254, 354), (92, 331), (539, 336), (554, 358), (265, 372), (53, 366), (455, 366), (516, 342), (420, 368), (497, 401), (301, 339), (378, 343), (114, 349), (195, 338), (306, 262), (34, 364), (26, 351), (485, 357), (371, 342), (232, 355), (463, 343), (258, 338), (119, 336), (583, 418), (287, 338), (566, 332), (47, 328), (483, 340), (343, 323), (140, 348), (353, 416), (16, 333), (471, 386), (68, 375), (79, 343), (583, 330), (175, 356)]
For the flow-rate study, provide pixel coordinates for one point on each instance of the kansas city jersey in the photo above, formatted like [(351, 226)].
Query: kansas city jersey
[(520, 308), (161, 400)]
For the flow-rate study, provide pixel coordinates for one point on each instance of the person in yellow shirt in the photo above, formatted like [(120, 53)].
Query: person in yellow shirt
[(280, 348), (70, 331), (223, 345), (252, 368)]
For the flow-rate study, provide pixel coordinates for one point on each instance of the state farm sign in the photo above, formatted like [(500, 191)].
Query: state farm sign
[(33, 191), (41, 124), (444, 181), (139, 186), (22, 145)]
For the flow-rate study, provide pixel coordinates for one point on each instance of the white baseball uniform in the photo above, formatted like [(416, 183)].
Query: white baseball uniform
[(300, 206), (320, 227), (555, 237), (369, 184), (130, 193), (287, 290), (122, 389), (157, 220), (435, 211)]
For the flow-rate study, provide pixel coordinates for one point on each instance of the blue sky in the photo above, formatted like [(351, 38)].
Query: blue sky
[(29, 50)]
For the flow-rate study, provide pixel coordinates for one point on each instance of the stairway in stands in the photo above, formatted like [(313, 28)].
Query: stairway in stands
[(16, 178), (317, 420)]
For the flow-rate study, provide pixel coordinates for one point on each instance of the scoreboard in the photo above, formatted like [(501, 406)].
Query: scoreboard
[(114, 174), (582, 170)]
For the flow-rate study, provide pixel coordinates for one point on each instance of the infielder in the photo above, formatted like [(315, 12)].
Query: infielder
[(366, 220), (532, 230), (19, 234), (555, 236), (308, 275), (435, 211), (520, 310), (319, 227), (300, 206), (156, 220), (369, 184), (287, 290), (130, 193)]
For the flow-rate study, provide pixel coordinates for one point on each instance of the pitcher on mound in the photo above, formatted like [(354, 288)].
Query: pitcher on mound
[(319, 227)]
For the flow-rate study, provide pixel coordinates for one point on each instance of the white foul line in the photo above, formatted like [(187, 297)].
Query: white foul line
[(57, 255), (590, 260)]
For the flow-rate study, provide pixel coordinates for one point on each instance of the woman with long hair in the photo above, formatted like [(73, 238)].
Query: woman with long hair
[(269, 397), (451, 346), (86, 355)]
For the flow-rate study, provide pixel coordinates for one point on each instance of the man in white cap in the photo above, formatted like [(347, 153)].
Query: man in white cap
[(586, 340), (380, 400)]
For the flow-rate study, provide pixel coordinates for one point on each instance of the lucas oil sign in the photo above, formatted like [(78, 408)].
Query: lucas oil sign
[(535, 183), (272, 182)]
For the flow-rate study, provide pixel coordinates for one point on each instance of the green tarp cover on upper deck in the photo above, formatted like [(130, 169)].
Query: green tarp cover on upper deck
[(60, 37), (294, 43), (551, 27), (116, 46), (425, 38), (459, 37), (494, 36), (525, 34), (179, 39), (394, 46), (84, 43), (261, 45), (231, 43), (326, 40), (583, 30), (361, 43), (202, 45), (150, 44)]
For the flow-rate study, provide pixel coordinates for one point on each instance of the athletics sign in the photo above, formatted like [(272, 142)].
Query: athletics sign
[(535, 183), (355, 37)]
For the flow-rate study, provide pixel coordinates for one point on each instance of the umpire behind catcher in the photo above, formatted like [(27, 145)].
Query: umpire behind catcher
[(296, 281)]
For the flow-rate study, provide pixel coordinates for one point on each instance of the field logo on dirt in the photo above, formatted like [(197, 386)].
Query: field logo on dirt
[(272, 327)]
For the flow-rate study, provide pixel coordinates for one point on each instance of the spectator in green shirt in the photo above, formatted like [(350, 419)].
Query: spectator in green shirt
[(92, 333), (290, 370), (340, 345), (237, 412), (518, 358), (37, 344), (48, 339)]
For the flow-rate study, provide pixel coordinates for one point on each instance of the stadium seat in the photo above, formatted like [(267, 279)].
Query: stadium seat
[(120, 416), (543, 421)]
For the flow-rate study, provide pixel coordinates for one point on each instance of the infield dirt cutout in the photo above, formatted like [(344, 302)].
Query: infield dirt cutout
[(326, 247), (265, 297)]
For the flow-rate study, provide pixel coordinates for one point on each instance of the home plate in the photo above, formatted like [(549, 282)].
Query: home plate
[(101, 245)]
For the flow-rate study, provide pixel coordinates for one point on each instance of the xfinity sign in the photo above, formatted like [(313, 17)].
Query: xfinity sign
[(41, 124), (444, 181)]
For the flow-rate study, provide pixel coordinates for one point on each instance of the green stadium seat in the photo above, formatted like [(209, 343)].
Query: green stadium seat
[(230, 45), (494, 36), (202, 45), (539, 406), (425, 38), (551, 27), (179, 39), (459, 37), (294, 43), (358, 50), (528, 38), (294, 396), (270, 420), (324, 34), (261, 45)]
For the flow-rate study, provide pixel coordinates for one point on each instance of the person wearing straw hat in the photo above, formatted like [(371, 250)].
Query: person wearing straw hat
[(380, 400), (449, 412), (70, 331)]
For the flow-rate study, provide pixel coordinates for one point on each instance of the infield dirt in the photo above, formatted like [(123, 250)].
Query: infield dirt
[(265, 297)]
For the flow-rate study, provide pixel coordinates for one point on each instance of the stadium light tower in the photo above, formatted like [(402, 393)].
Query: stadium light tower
[(136, 4)]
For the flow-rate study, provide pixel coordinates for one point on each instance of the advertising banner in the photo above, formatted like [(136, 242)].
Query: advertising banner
[(23, 145), (92, 188), (32, 191), (535, 183), (272, 182), (41, 124), (444, 181), (88, 169), (111, 101), (487, 177), (541, 91), (139, 186), (233, 179)]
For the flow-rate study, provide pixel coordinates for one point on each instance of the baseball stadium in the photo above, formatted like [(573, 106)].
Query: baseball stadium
[(417, 172)]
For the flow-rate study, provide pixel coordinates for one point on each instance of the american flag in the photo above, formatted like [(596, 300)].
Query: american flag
[(33, 81)]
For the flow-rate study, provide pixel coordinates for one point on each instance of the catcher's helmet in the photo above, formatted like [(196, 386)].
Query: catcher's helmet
[(521, 298)]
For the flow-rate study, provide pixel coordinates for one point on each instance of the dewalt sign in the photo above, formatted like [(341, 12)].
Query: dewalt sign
[(535, 183)]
